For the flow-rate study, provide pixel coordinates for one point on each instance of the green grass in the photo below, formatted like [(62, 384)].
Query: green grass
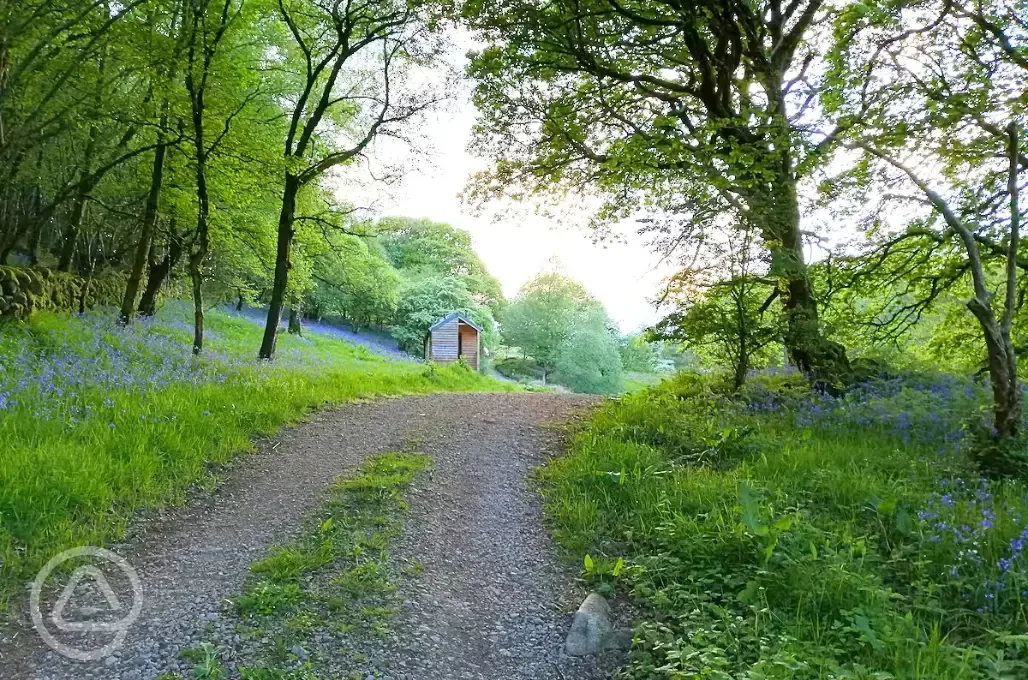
[(634, 382), (802, 542), (98, 422), (334, 582)]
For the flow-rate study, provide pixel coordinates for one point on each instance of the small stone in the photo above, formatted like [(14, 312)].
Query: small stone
[(590, 628)]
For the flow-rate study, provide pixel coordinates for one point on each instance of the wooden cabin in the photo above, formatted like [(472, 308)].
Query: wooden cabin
[(453, 337)]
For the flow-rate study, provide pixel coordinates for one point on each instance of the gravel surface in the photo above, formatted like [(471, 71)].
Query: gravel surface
[(492, 601)]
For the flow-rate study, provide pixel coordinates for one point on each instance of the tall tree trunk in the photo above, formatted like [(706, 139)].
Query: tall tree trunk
[(1002, 358), (71, 233), (282, 265), (294, 320), (822, 360), (998, 343), (160, 272), (200, 248), (196, 276), (142, 255)]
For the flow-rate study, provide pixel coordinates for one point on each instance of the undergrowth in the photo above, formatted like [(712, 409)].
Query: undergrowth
[(779, 534), (98, 421)]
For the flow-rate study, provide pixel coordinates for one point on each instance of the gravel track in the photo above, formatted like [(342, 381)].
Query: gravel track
[(492, 602)]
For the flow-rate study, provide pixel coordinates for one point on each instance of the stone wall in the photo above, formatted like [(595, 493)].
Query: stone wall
[(24, 291)]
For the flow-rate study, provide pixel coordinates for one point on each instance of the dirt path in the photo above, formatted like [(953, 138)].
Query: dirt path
[(492, 601)]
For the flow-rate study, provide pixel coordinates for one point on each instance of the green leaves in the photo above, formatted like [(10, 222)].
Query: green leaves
[(749, 516)]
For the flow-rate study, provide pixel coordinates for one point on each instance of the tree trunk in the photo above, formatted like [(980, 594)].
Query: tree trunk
[(160, 272), (142, 255), (822, 360), (1002, 360), (294, 320), (282, 265), (999, 346), (199, 253), (742, 365), (196, 276), (239, 303), (71, 233)]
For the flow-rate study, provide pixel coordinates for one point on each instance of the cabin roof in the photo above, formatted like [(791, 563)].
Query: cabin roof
[(455, 315)]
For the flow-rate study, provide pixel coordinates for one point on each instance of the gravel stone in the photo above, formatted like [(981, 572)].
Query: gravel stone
[(491, 602)]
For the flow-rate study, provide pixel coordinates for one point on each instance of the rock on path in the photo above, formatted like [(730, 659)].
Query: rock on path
[(492, 601)]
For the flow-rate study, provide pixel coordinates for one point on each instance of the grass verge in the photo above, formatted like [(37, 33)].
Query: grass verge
[(774, 534), (98, 421)]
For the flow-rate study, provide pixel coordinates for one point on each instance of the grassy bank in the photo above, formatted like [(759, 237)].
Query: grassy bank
[(780, 535), (98, 421)]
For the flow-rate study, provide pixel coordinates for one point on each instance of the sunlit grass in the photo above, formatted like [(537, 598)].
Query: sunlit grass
[(97, 422)]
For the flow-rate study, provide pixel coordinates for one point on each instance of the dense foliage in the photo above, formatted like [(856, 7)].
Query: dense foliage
[(903, 123), (189, 139), (558, 331)]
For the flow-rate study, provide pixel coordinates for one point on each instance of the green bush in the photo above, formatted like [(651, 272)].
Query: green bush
[(517, 368)]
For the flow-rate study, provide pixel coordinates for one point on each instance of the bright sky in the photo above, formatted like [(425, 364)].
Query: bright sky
[(621, 275)]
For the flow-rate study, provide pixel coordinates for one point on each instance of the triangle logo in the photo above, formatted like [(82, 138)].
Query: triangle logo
[(78, 576)]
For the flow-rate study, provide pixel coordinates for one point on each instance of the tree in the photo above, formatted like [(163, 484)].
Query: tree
[(70, 118), (948, 143), (355, 282), (166, 74), (421, 246), (682, 109), (637, 354), (542, 316), (351, 58), (588, 361), (425, 301), (205, 35), (725, 307)]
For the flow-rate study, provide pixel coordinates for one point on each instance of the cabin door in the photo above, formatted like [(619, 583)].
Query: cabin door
[(460, 341)]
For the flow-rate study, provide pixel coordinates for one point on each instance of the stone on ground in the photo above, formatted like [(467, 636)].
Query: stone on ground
[(591, 629)]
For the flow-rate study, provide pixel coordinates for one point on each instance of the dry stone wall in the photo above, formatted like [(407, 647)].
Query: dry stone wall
[(25, 291)]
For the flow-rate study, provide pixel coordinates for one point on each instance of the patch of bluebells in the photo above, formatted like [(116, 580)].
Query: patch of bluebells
[(918, 408), (378, 343), (977, 543), (52, 372)]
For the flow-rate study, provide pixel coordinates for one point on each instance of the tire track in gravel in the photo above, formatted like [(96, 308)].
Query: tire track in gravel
[(492, 602)]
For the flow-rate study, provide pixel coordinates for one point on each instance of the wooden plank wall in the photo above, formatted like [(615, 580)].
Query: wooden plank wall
[(469, 345), (444, 343)]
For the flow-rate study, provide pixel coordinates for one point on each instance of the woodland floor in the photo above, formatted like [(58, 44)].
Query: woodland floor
[(493, 600)]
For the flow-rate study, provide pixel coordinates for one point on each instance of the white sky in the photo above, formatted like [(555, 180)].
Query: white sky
[(622, 275)]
